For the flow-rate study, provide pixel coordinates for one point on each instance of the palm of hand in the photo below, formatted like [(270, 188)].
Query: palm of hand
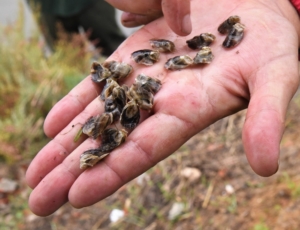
[(254, 74)]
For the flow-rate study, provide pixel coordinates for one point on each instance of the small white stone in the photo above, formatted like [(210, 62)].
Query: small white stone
[(142, 179), (7, 185), (115, 215), (176, 210), (191, 174), (229, 189), (31, 217)]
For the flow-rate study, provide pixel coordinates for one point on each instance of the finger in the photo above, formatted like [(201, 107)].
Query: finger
[(271, 92), (177, 16), (53, 190), (141, 151), (70, 106), (137, 7), (60, 147), (133, 20), (47, 195)]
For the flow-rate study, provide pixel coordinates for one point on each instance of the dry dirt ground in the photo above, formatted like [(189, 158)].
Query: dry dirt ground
[(247, 202)]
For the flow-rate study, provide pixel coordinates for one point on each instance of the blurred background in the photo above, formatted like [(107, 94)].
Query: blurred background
[(206, 184)]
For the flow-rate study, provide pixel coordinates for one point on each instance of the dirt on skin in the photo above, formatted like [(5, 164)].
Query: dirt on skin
[(252, 202)]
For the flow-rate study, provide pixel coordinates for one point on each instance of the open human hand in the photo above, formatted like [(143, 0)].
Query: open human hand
[(261, 73)]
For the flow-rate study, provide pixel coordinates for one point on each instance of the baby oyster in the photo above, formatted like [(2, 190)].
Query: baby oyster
[(227, 25), (145, 57), (112, 107), (142, 96), (115, 102), (162, 45), (99, 72), (118, 70), (149, 83), (204, 56), (94, 126), (235, 36), (108, 88), (130, 116), (111, 139), (90, 157), (204, 39), (179, 62)]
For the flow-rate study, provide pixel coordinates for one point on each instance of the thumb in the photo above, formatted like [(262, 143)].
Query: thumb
[(177, 16), (271, 91)]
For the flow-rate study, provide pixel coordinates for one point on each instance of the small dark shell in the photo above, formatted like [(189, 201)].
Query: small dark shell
[(227, 25), (115, 102), (162, 45), (130, 116), (108, 88), (99, 72), (112, 107), (118, 70), (120, 98), (90, 157), (142, 96), (235, 36), (145, 57), (111, 139), (149, 83), (126, 88), (95, 126), (90, 125), (179, 62), (119, 95), (204, 39), (204, 56)]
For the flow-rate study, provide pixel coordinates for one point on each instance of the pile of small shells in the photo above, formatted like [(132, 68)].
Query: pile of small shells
[(231, 26), (234, 30), (123, 103)]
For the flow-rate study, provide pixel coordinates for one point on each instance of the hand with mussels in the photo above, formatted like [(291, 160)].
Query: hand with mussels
[(260, 74)]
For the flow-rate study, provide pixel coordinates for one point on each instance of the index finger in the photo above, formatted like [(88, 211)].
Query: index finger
[(177, 16)]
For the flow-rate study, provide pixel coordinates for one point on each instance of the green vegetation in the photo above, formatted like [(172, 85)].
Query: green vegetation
[(31, 83), (292, 185), (260, 226)]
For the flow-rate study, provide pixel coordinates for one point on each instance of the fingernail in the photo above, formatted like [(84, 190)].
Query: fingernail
[(127, 17), (186, 26)]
